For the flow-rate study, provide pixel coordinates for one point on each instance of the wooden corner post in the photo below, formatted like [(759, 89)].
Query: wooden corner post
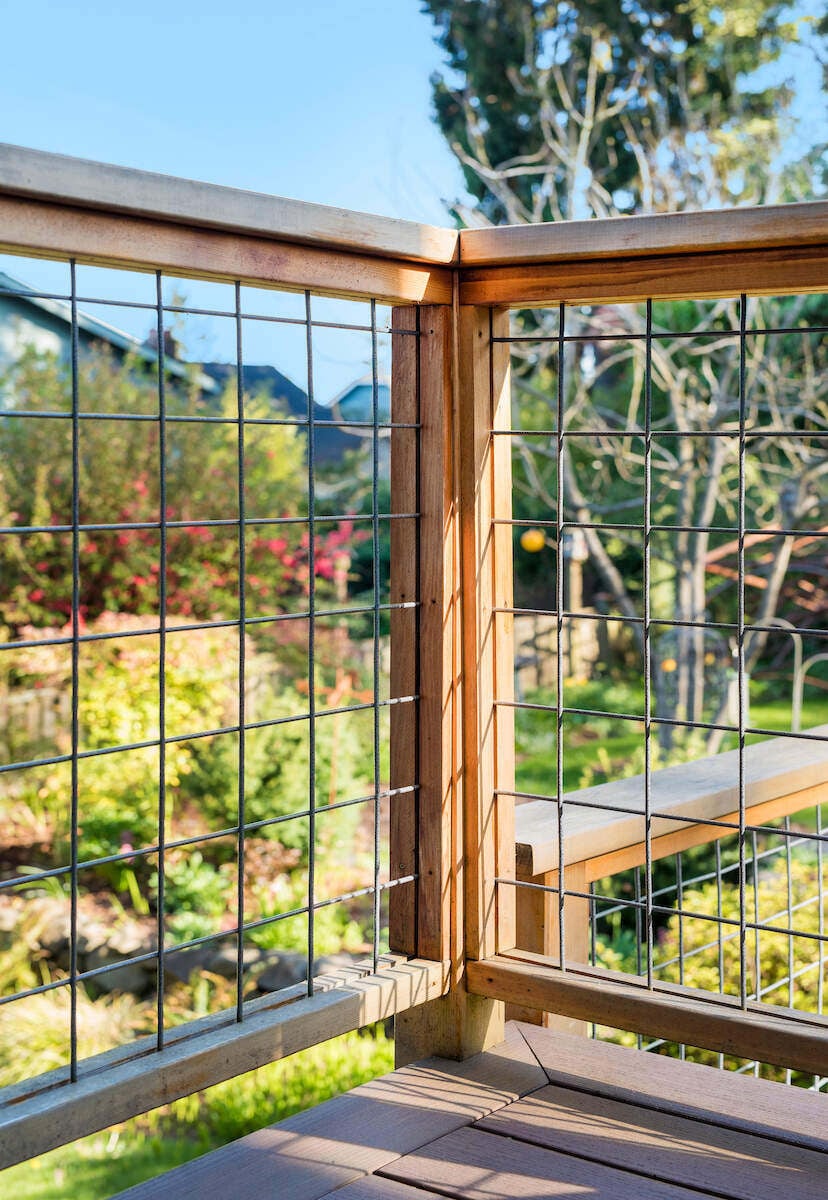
[(458, 836), (425, 917), (484, 404)]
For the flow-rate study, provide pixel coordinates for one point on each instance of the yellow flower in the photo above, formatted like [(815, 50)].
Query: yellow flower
[(533, 540), (709, 659), (668, 664)]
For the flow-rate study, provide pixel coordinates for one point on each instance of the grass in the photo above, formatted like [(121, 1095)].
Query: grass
[(98, 1166), (597, 749)]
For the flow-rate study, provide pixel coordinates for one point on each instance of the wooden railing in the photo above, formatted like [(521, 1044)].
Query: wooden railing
[(693, 804), (456, 922)]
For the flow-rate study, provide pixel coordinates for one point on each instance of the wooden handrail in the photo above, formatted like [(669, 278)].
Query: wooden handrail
[(79, 182), (42, 1113), (727, 229), (603, 825), (691, 804)]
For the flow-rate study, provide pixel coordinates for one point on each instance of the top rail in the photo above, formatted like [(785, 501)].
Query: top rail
[(52, 205), (58, 178), (606, 819), (766, 227)]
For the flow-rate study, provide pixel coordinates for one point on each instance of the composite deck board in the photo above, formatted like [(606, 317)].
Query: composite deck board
[(687, 1089), (319, 1150), (613, 1124), (663, 1146), (472, 1164), (375, 1187)]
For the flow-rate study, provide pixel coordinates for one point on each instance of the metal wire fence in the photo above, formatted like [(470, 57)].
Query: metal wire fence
[(669, 490), (223, 756), (696, 945)]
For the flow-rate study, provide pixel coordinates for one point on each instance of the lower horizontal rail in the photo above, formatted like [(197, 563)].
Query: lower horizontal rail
[(49, 1111), (781, 1037)]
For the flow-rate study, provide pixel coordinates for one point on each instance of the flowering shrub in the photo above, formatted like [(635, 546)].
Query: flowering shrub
[(118, 704), (120, 484)]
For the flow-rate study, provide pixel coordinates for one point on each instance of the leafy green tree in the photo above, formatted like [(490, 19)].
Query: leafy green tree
[(561, 111), (120, 484)]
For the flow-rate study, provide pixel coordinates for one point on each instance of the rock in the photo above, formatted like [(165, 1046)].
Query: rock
[(9, 914), (182, 964), (334, 962), (50, 924), (284, 968), (223, 960), (128, 940), (131, 977)]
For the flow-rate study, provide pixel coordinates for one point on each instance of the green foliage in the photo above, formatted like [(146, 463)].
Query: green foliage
[(334, 930), (120, 482), (118, 704), (277, 770), (558, 110), (99, 1166), (702, 958), (35, 1031), (196, 893)]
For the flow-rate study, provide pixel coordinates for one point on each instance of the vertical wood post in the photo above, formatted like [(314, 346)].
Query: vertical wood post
[(465, 745), (404, 589), (426, 831), (537, 930), (484, 404)]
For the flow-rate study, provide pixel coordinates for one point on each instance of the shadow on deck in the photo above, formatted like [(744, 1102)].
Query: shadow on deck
[(542, 1114)]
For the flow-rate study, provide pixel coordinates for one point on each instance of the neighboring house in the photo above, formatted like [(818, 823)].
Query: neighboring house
[(27, 319), (330, 441), (30, 320), (354, 407)]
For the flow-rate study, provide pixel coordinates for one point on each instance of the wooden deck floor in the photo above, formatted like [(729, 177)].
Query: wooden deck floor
[(544, 1114)]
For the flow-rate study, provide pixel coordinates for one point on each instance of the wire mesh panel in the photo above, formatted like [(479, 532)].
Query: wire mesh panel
[(669, 555), (194, 790)]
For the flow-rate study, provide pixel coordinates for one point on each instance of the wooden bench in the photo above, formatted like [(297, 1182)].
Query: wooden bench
[(603, 831), (543, 1114)]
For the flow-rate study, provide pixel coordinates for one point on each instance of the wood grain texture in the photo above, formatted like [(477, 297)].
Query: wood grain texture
[(404, 759), (538, 929), (777, 1036), (374, 1187), (630, 237), (475, 1165), (50, 230), (488, 653), (438, 884), (78, 181), (687, 276), (318, 1150), (457, 1025), (501, 625), (671, 1148), (705, 1094), (780, 769), (113, 1090)]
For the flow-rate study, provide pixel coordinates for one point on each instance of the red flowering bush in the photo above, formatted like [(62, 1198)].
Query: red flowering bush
[(120, 484)]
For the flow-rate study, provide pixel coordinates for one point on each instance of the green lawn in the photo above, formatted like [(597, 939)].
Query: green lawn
[(97, 1167), (600, 748)]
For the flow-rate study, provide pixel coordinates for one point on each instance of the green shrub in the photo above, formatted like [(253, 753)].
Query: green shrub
[(100, 1165)]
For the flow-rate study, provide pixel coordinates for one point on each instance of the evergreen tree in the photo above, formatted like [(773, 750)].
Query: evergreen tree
[(559, 110)]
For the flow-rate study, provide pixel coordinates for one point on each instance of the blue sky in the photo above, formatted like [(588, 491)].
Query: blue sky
[(326, 100)]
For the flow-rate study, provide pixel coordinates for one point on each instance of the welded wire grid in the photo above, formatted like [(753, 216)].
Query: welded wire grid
[(311, 523), (784, 970), (641, 921)]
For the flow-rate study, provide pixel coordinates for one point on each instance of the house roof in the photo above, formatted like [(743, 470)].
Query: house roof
[(99, 330), (331, 441)]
